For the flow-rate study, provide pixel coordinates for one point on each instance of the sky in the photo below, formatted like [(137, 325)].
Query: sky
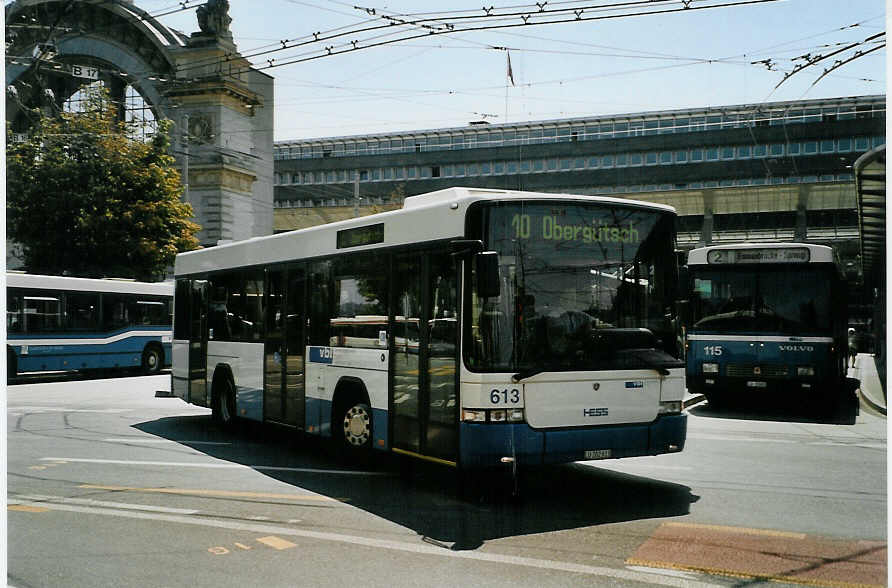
[(687, 59)]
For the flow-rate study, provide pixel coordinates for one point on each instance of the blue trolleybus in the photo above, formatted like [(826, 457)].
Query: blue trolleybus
[(58, 323), (471, 328), (767, 318)]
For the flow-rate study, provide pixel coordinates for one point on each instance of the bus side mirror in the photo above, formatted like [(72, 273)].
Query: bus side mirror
[(488, 284), (683, 308), (684, 282), (465, 247)]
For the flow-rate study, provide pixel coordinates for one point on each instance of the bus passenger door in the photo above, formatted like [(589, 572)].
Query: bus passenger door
[(274, 347), (198, 344), (405, 355), (424, 356), (295, 344)]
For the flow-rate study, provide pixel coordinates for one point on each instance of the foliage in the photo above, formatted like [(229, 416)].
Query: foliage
[(85, 199)]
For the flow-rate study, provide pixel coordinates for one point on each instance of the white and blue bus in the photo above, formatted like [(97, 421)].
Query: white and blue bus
[(470, 328), (767, 317), (56, 323)]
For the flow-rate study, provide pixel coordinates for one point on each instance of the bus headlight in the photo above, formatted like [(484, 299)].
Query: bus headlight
[(805, 370), (473, 416), (710, 368), (670, 407), (479, 415)]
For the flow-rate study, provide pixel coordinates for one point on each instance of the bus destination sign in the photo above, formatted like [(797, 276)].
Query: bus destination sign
[(760, 255), (360, 236)]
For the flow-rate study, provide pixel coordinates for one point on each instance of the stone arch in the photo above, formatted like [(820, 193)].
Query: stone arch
[(124, 43), (226, 151)]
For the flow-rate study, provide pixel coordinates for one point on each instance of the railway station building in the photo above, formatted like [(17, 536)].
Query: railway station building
[(775, 171)]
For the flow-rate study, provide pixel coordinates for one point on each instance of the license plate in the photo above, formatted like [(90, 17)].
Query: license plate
[(757, 384), (597, 454)]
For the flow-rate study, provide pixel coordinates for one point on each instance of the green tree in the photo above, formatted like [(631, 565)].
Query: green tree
[(85, 198)]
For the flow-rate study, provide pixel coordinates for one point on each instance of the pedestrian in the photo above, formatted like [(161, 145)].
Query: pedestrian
[(853, 345)]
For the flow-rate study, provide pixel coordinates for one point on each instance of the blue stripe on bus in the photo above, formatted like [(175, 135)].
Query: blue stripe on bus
[(125, 352), (483, 445)]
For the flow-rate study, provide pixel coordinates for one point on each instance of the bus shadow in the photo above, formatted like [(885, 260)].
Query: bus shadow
[(432, 500), (846, 413), (79, 376)]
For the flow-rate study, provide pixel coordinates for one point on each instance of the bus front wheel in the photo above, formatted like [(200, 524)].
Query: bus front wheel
[(354, 427)]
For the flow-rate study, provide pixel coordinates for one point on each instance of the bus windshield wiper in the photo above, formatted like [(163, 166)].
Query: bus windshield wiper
[(527, 373), (656, 360)]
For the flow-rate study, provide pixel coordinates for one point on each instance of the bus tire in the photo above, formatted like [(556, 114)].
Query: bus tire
[(152, 359), (352, 425), (223, 403), (11, 364)]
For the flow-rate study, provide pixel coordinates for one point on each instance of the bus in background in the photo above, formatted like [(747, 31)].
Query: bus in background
[(56, 323), (767, 317), (471, 328)]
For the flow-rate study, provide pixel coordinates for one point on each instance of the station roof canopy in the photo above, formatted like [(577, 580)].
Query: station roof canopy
[(870, 184)]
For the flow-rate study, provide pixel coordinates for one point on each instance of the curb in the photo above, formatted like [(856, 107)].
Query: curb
[(866, 400), (697, 399)]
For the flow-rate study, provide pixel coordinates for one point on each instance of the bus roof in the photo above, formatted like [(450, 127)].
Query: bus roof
[(816, 253), (119, 286), (423, 218)]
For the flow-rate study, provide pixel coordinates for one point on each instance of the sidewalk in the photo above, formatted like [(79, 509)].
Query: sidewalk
[(871, 390)]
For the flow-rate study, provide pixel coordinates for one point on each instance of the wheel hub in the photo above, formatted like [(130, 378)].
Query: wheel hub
[(356, 426)]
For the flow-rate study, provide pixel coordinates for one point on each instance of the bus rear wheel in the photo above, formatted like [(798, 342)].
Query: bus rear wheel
[(11, 365), (152, 360), (223, 409)]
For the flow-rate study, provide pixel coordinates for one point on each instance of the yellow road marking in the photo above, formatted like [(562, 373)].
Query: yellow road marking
[(277, 543), (746, 576), (221, 493), (26, 508), (424, 457), (744, 530), (243, 546)]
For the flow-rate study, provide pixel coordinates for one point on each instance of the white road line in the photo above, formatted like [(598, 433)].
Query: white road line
[(160, 441), (416, 548), (19, 409), (197, 464), (52, 501)]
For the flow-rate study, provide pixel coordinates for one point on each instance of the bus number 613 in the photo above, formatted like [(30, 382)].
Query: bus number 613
[(504, 396)]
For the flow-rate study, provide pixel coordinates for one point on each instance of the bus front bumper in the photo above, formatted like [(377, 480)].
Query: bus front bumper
[(493, 445)]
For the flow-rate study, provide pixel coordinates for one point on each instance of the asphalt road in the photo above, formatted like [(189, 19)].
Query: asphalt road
[(108, 485)]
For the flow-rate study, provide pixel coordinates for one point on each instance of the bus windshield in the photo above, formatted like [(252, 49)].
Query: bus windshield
[(786, 300), (582, 287)]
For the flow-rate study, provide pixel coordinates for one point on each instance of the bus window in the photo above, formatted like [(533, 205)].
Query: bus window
[(360, 318), (14, 319), (43, 311), (82, 311)]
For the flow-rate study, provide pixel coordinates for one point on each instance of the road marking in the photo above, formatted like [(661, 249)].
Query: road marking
[(642, 564), (416, 548), (103, 503), (27, 508), (17, 409), (160, 441), (217, 493), (277, 543), (744, 530), (199, 464), (243, 546)]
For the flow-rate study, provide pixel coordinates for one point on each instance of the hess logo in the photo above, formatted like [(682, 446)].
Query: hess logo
[(595, 412)]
